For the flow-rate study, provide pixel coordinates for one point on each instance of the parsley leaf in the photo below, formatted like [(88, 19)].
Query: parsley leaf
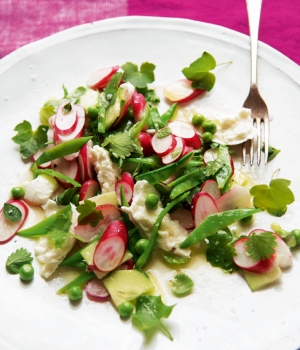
[(17, 259), (88, 213), (149, 310), (138, 78), (120, 145), (261, 246), (30, 141), (182, 284), (198, 72), (273, 198), (11, 212)]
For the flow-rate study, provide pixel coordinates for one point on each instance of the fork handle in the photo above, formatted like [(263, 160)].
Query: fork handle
[(254, 10)]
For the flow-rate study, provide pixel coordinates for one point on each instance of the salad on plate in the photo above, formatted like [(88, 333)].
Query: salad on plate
[(120, 184)]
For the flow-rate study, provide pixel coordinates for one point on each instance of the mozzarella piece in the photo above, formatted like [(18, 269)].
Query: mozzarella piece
[(170, 234), (40, 189), (107, 171)]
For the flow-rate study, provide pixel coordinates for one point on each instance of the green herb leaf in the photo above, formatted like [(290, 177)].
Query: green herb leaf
[(17, 259), (164, 132), (261, 246), (58, 230), (272, 152), (273, 198), (11, 212), (30, 142), (66, 197), (149, 311), (120, 145), (175, 260), (138, 78), (88, 213), (182, 284)]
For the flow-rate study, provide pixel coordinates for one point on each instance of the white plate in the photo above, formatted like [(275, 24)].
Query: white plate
[(221, 313)]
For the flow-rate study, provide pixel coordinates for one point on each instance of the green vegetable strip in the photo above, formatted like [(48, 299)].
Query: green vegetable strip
[(143, 259), (155, 119), (42, 227), (224, 173), (152, 161), (162, 174), (213, 223), (139, 126), (167, 116), (54, 173), (188, 184), (83, 278), (61, 150)]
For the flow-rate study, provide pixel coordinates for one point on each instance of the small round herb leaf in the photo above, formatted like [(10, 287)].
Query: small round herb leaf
[(12, 213), (182, 284)]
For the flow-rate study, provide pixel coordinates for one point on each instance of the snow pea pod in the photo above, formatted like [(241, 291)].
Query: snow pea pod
[(61, 150), (57, 174), (144, 258), (186, 182), (82, 279), (139, 126), (213, 223), (155, 119), (167, 116), (152, 161), (223, 175), (162, 174)]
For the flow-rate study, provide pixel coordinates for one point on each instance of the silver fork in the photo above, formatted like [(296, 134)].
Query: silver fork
[(259, 109)]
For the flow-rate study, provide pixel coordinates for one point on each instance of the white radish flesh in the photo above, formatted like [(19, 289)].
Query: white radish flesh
[(65, 120), (89, 188), (68, 168), (181, 91), (128, 184), (283, 252), (111, 247), (138, 104), (237, 198), (202, 206), (8, 229), (176, 153), (39, 152), (100, 78), (96, 291), (185, 131), (211, 187), (85, 165), (162, 146), (128, 90)]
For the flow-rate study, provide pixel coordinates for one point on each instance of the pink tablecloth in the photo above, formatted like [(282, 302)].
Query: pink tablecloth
[(24, 21)]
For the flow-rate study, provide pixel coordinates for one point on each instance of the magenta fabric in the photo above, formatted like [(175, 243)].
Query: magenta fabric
[(24, 21)]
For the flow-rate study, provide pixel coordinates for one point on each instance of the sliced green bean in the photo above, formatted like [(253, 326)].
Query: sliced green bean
[(54, 173), (167, 116), (83, 278)]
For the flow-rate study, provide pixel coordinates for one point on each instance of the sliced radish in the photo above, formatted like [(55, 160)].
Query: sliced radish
[(283, 252), (126, 91), (176, 153), (181, 91), (162, 146), (246, 262), (111, 247), (65, 121), (237, 198), (145, 141), (185, 131), (127, 265), (87, 232), (100, 78), (68, 168), (84, 162), (211, 187), (186, 150), (202, 206), (138, 104), (127, 182), (184, 217), (8, 229), (96, 291), (89, 188), (39, 152)]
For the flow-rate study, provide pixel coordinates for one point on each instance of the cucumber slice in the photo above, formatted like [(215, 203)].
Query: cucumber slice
[(127, 285), (259, 280)]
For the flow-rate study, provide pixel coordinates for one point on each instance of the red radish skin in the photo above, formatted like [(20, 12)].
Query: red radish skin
[(68, 168), (96, 291), (145, 141), (138, 104), (186, 150), (211, 187), (110, 213), (187, 132), (184, 217), (237, 198), (89, 188), (202, 206), (181, 91), (129, 91), (8, 229), (163, 146), (111, 247), (85, 165), (100, 78), (128, 265), (65, 121), (176, 153)]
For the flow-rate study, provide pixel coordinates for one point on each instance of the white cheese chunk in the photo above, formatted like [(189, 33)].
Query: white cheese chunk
[(170, 234), (40, 189), (107, 171)]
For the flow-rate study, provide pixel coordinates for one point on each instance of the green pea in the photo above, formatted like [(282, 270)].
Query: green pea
[(125, 309), (151, 201), (207, 137), (75, 293), (198, 119), (92, 113), (26, 272), (17, 192), (141, 245), (75, 199), (296, 234), (210, 126)]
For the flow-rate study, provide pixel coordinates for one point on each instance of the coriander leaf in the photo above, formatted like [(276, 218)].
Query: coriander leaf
[(149, 310), (273, 198), (182, 284), (11, 212), (120, 145), (17, 259), (88, 213), (138, 78), (58, 230), (30, 141), (261, 246)]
